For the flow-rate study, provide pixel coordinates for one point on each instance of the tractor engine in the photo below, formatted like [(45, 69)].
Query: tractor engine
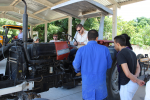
[(45, 64)]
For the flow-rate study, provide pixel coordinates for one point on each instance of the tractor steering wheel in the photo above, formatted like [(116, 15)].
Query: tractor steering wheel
[(69, 36)]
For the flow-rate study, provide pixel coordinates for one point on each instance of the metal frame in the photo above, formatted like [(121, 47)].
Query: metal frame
[(100, 9), (25, 86), (112, 4), (12, 7)]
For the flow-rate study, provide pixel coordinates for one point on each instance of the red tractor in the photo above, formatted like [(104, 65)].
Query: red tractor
[(35, 67)]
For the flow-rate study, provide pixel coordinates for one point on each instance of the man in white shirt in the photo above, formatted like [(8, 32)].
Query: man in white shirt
[(20, 35), (81, 35), (55, 37)]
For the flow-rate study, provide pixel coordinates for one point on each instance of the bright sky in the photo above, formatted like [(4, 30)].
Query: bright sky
[(134, 10)]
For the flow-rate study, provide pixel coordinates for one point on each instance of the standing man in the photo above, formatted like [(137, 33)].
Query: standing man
[(81, 35), (93, 60), (20, 35), (129, 69), (55, 37)]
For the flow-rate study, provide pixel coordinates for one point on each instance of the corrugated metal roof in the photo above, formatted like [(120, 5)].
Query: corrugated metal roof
[(39, 11), (32, 6), (103, 2), (49, 15), (5, 2), (14, 14), (82, 9), (33, 21)]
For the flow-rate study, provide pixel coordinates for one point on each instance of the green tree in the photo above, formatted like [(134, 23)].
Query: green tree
[(4, 21)]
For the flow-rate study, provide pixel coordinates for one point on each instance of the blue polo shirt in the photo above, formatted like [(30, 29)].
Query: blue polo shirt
[(93, 60)]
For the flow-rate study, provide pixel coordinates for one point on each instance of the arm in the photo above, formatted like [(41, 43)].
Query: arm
[(77, 62), (137, 72), (74, 42), (81, 43), (130, 75)]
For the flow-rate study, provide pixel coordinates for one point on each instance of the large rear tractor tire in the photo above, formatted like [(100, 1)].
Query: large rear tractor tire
[(112, 82), (139, 56)]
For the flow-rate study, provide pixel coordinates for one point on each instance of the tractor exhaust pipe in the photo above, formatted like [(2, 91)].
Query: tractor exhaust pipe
[(25, 25), (25, 32)]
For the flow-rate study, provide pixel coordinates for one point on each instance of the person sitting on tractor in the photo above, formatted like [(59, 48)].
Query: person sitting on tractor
[(55, 37), (20, 35), (80, 36), (36, 39)]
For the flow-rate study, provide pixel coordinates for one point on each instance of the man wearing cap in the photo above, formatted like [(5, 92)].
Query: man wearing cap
[(36, 39)]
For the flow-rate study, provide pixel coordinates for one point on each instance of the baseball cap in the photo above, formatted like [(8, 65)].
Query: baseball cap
[(35, 38)]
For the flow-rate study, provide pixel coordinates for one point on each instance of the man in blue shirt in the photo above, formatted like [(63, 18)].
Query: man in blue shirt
[(93, 60), (20, 35)]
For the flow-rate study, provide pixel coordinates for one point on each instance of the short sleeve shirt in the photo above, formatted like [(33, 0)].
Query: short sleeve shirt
[(82, 38), (126, 56), (54, 41), (20, 36)]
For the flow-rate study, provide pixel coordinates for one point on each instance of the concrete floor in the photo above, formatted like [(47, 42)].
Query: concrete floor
[(71, 94)]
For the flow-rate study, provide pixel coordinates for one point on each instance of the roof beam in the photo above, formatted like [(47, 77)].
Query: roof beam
[(6, 8), (11, 18), (29, 14), (14, 3), (48, 5), (41, 10), (12, 8), (114, 2)]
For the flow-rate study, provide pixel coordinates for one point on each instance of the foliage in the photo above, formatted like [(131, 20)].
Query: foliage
[(138, 29), (4, 21)]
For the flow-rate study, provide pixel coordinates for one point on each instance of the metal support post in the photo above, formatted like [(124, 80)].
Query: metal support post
[(45, 40), (31, 32), (83, 21), (101, 27), (114, 20), (70, 27)]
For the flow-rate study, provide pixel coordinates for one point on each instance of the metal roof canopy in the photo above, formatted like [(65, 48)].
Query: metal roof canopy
[(82, 9), (39, 10)]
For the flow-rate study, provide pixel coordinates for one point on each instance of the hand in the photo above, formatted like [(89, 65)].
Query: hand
[(135, 81), (140, 82), (75, 43)]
